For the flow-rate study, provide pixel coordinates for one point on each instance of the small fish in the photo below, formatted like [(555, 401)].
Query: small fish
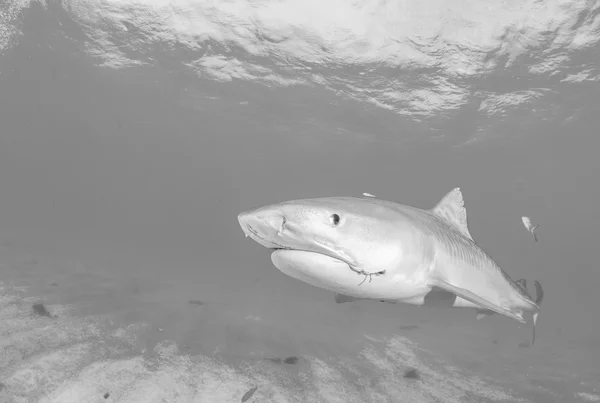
[(368, 195), (530, 226), (249, 394)]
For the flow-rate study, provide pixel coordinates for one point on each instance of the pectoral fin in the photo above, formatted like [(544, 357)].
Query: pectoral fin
[(476, 299)]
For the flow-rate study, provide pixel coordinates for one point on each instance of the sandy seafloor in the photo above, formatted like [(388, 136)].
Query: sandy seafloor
[(139, 341), (132, 134), (135, 340)]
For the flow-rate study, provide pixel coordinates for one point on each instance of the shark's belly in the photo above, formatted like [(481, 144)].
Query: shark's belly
[(334, 275)]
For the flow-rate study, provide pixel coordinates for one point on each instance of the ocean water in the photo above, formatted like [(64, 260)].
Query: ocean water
[(133, 133)]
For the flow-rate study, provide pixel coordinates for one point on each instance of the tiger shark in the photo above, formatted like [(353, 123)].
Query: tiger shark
[(368, 248)]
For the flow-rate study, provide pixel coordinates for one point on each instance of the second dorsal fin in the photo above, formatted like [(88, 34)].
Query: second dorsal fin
[(452, 209)]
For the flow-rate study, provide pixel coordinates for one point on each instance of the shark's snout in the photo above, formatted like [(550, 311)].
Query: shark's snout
[(263, 226)]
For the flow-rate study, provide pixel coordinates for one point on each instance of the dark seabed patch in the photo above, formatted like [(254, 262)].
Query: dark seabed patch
[(106, 361), (291, 360), (4, 396), (40, 309), (195, 302), (411, 373), (288, 360), (249, 394)]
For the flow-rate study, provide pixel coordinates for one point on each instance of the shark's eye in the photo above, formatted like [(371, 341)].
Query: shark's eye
[(334, 219)]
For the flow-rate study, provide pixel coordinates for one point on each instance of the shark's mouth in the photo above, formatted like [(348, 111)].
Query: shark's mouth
[(256, 235), (329, 252)]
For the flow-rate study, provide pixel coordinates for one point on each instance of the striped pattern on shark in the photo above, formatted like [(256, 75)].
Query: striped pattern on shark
[(402, 252)]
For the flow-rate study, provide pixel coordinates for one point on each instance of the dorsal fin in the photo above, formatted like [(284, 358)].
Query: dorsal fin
[(452, 209)]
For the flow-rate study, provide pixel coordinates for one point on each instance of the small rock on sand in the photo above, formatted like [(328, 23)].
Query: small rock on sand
[(290, 360), (41, 310), (249, 394), (411, 374)]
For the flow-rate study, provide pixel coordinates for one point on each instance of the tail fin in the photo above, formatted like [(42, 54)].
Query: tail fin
[(533, 231), (539, 297), (539, 292)]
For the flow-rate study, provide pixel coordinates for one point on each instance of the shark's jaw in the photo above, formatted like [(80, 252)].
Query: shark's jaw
[(320, 270), (307, 247), (272, 233), (255, 236), (328, 251)]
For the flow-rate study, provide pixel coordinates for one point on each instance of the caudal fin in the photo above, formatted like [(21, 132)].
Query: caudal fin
[(539, 292), (533, 231), (539, 297)]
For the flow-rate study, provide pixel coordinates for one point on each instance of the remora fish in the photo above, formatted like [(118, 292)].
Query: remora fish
[(402, 253)]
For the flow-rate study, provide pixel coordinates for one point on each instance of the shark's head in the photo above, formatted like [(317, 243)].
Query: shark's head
[(328, 241)]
